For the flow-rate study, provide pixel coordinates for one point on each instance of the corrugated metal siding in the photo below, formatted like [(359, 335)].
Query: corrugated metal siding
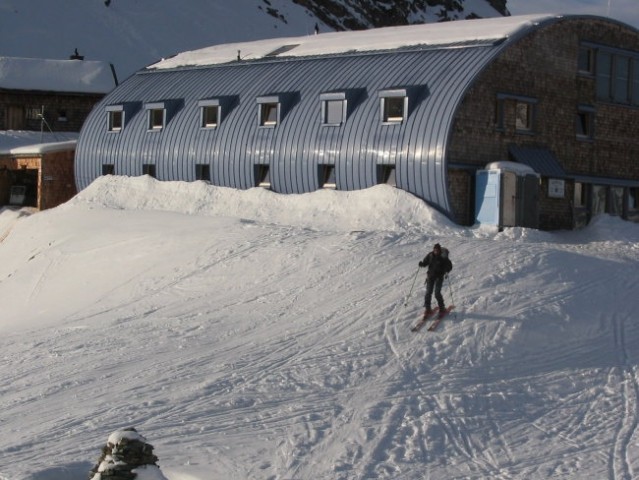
[(437, 80)]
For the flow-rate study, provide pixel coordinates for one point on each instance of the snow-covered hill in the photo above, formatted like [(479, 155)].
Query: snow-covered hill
[(249, 335), (132, 35)]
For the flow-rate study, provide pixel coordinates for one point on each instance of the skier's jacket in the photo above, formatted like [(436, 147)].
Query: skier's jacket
[(438, 265)]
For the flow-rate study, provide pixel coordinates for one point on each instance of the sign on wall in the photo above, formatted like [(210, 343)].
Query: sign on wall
[(556, 188)]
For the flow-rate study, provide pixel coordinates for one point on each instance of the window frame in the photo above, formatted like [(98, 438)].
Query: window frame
[(326, 176), (585, 122), (338, 100), (386, 175), (153, 111), (149, 169), (112, 111), (267, 106), (262, 175), (203, 172), (210, 105), (393, 98), (500, 113)]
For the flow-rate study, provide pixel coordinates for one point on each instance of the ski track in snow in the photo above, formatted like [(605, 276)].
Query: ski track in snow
[(251, 350)]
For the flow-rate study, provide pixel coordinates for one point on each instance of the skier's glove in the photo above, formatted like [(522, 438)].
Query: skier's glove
[(422, 264)]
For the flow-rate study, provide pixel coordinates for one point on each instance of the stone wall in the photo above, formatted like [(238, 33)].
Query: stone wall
[(543, 66)]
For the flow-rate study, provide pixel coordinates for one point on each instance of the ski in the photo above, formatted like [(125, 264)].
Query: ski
[(440, 318), (423, 321)]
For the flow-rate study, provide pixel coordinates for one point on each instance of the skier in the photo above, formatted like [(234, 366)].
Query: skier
[(438, 265)]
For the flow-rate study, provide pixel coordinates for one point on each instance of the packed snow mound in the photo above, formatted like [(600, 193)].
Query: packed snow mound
[(378, 208)]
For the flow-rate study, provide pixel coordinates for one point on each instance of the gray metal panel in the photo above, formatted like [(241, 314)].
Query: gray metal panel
[(436, 80)]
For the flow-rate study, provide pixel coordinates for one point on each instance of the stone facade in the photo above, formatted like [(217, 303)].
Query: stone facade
[(543, 67)]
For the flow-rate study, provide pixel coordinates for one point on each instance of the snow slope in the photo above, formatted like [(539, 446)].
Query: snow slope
[(249, 335)]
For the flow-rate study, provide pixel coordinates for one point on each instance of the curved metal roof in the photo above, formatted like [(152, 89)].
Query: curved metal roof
[(434, 79)]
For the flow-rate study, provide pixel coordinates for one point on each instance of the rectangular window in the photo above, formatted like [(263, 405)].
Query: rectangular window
[(156, 118), (635, 82), (268, 114), (333, 111), (585, 122), (203, 172), (210, 116), (586, 60), (386, 175), (115, 120), (333, 108), (108, 169), (148, 169), (579, 197), (604, 75), (523, 116), (262, 176), (393, 105), (622, 79), (393, 109), (268, 111), (326, 176)]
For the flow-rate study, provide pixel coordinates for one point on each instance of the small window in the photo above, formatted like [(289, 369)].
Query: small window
[(108, 169), (579, 197), (333, 108), (326, 176), (523, 116), (393, 105), (62, 116), (156, 118), (393, 109), (262, 176), (586, 63), (386, 175), (621, 83), (585, 122), (635, 82), (148, 169), (115, 120), (268, 114), (604, 75), (203, 172), (210, 116), (333, 112)]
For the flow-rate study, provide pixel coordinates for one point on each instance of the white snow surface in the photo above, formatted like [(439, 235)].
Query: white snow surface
[(20, 142), (73, 76), (432, 34), (249, 335)]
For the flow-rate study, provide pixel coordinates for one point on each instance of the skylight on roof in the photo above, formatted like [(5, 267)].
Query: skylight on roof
[(282, 49)]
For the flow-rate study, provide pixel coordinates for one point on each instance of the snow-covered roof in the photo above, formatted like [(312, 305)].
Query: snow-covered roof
[(388, 38), (18, 142), (73, 76)]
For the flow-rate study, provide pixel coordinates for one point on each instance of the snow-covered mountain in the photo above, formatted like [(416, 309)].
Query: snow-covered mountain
[(132, 35), (249, 335)]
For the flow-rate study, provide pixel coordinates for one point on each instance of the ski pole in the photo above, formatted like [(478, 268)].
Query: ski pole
[(411, 287)]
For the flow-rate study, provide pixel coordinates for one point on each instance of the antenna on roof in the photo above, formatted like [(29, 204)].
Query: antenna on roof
[(44, 122), (76, 55)]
